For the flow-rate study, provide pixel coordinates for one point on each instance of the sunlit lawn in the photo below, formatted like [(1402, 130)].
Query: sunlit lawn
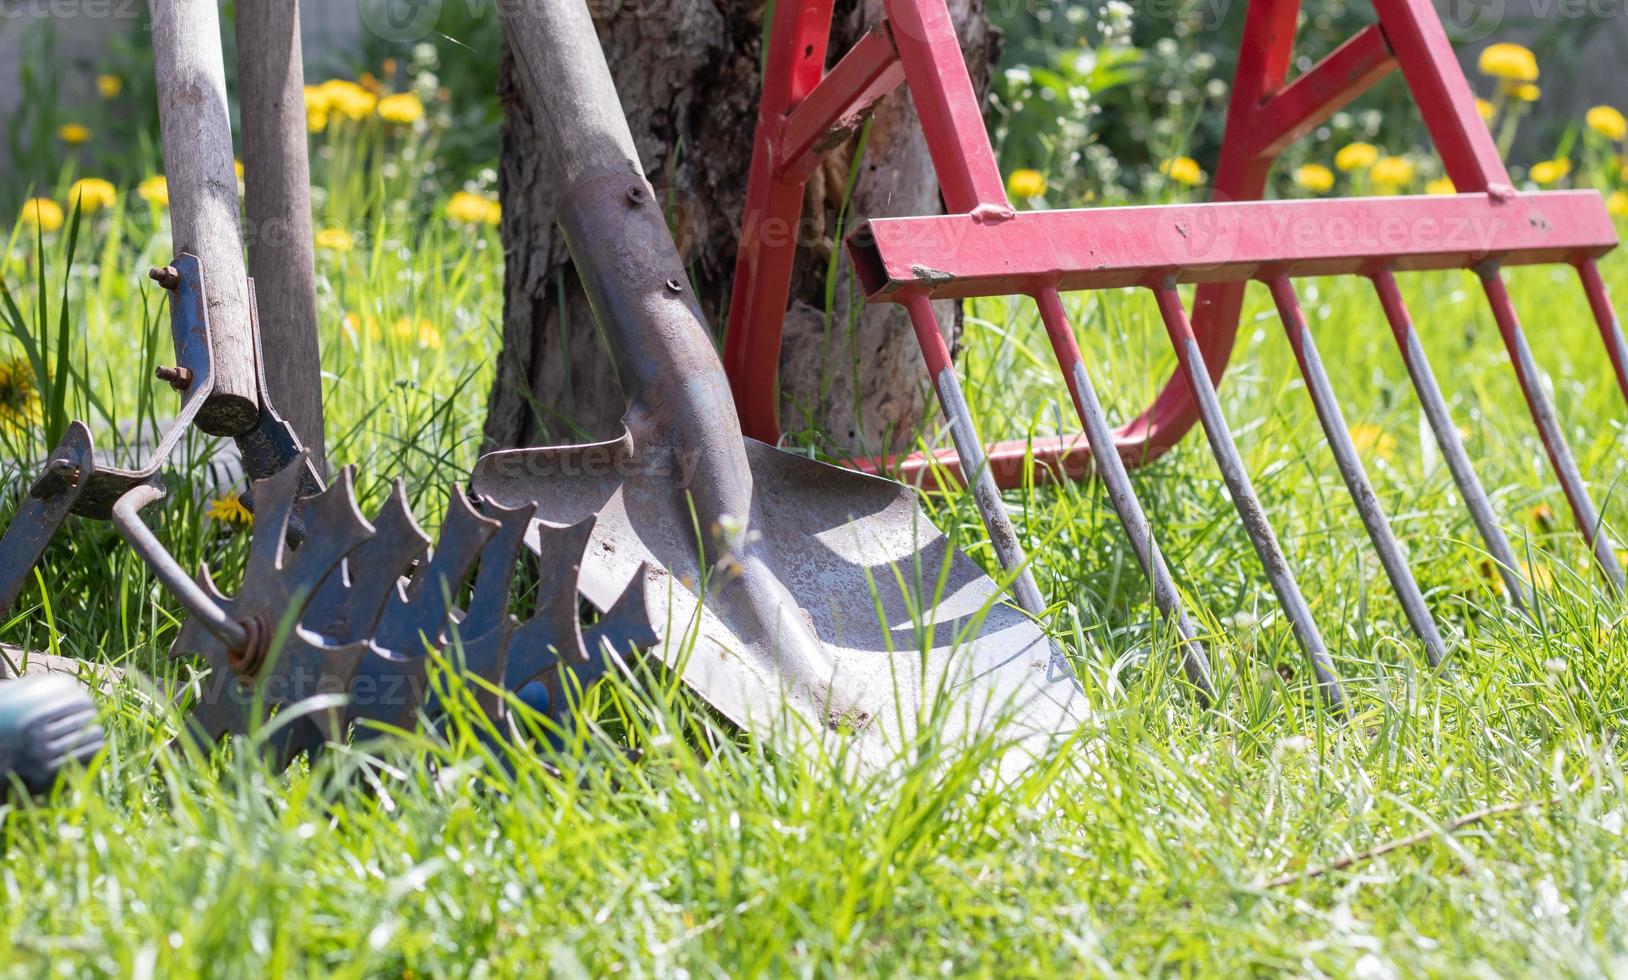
[(1144, 848)]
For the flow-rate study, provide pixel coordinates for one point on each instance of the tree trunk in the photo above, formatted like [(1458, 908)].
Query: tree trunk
[(689, 82)]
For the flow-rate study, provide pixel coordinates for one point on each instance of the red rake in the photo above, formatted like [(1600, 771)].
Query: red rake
[(985, 248)]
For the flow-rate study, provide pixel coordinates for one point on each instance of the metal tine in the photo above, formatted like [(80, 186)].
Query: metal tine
[(974, 466), (1446, 433), (1606, 317), (1351, 468), (1120, 491), (1543, 413), (1191, 361)]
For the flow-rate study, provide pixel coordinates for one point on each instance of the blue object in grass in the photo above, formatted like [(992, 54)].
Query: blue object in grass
[(47, 723)]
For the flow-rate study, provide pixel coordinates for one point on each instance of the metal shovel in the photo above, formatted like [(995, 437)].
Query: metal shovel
[(801, 599)]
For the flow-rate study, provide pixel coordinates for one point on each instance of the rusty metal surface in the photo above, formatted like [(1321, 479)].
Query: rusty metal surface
[(362, 611), (43, 509)]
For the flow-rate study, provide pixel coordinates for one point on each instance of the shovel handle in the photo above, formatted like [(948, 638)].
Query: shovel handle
[(196, 131)]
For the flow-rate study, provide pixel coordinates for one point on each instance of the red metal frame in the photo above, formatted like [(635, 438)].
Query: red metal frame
[(984, 248)]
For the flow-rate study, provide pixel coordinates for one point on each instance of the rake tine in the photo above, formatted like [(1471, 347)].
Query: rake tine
[(1543, 413), (1351, 468), (1225, 451), (1441, 424), (974, 466), (1606, 317), (1120, 491)]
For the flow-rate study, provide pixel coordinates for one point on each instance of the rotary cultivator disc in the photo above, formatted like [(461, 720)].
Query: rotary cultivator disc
[(364, 610)]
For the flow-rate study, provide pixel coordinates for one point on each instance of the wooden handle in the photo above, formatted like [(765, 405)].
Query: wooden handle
[(196, 130), (277, 204)]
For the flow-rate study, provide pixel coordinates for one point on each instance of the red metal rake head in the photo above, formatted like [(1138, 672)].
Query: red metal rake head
[(982, 247)]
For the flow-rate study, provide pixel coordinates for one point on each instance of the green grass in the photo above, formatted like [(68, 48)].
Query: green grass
[(1146, 847)]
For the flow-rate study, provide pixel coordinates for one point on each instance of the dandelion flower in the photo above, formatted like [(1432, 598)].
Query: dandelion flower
[(1486, 110), (1024, 184), (42, 213), (1441, 185), (1314, 177), (92, 194), (1510, 62), (1549, 171), (155, 190), (109, 86), (404, 108), (335, 240), (1608, 122), (1356, 156), (1183, 170), (19, 399), (229, 510), (73, 134), (1393, 172), (1370, 439), (347, 99), (1526, 92), (1617, 204), (422, 331), (474, 209)]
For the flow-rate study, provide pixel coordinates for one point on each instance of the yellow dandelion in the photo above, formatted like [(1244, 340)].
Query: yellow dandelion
[(403, 108), (1370, 439), (362, 327), (335, 240), (1393, 172), (347, 99), (1550, 171), (42, 213), (1510, 62), (1183, 170), (1607, 121), (155, 190), (1356, 156), (229, 510), (92, 194), (109, 86), (73, 134), (1524, 91), (1314, 177), (1441, 185), (421, 331), (1024, 184), (1486, 110), (474, 209), (19, 398), (1616, 203)]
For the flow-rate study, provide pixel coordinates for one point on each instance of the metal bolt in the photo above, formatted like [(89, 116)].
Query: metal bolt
[(675, 286), (59, 475), (179, 378), (167, 277), (635, 194)]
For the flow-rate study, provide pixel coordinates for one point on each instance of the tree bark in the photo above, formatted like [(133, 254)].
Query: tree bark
[(689, 80)]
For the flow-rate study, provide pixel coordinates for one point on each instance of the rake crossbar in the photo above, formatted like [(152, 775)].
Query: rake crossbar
[(960, 256)]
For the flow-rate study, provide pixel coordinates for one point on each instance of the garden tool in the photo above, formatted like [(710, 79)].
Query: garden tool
[(801, 599), (984, 247), (47, 723), (339, 616)]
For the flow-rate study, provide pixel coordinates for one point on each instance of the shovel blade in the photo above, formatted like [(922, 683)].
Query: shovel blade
[(910, 632)]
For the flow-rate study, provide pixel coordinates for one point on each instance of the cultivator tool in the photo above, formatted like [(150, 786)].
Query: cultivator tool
[(983, 247)]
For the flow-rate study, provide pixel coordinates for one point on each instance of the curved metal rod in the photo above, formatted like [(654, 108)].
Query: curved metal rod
[(127, 518)]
